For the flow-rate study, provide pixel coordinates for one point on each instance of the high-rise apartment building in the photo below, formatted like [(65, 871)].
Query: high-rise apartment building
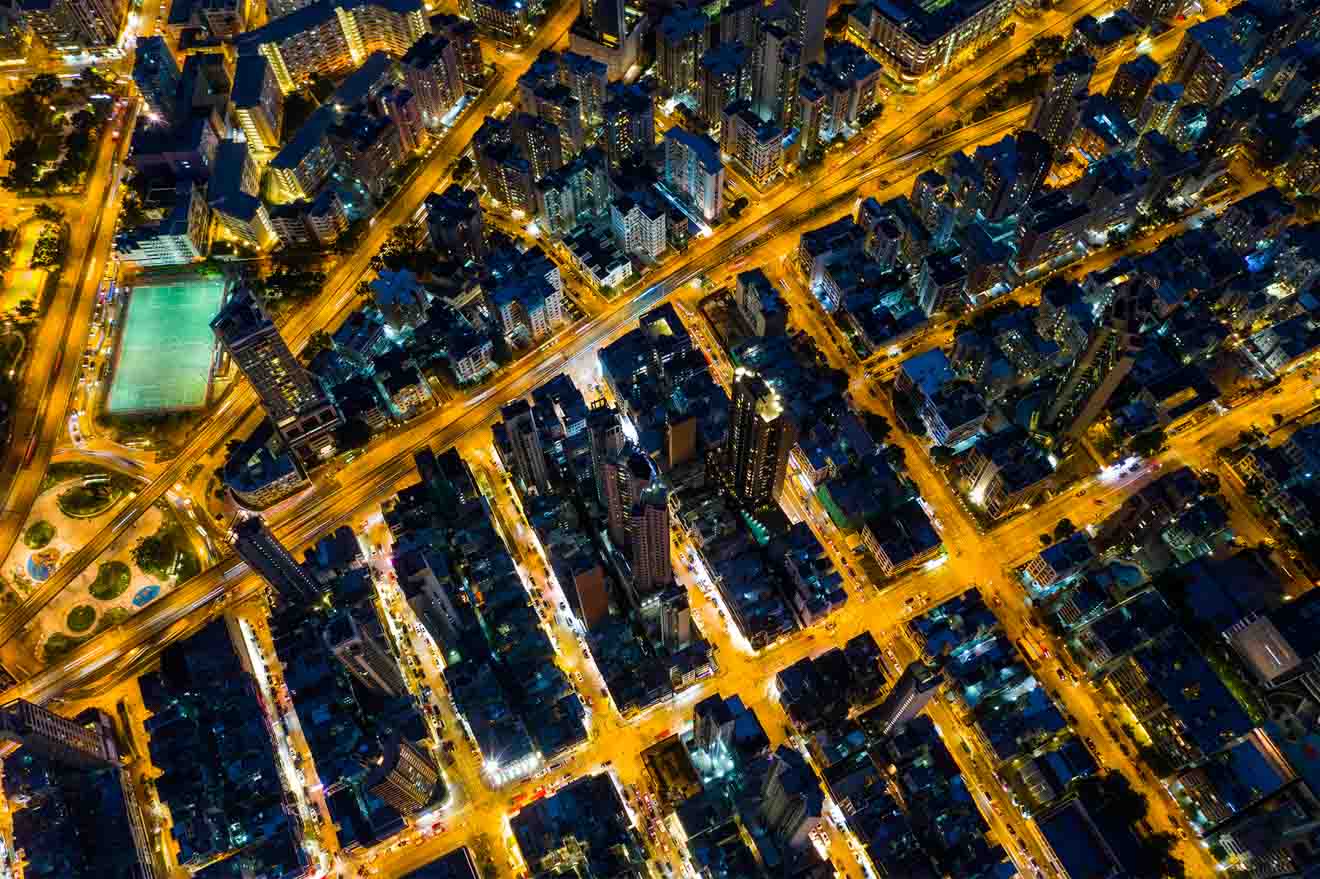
[(156, 75), (792, 803), (462, 34), (1209, 61), (693, 171), (629, 119), (914, 39), (627, 474), (430, 69), (1160, 108), (605, 433), (761, 435), (523, 444), (726, 77), (607, 21), (59, 738), (808, 23), (539, 142), (504, 170), (575, 193), (303, 415), (649, 537), (681, 40), (1094, 376), (778, 73), (456, 223), (1056, 112), (587, 80), (406, 777), (640, 222), (358, 641), (756, 146), (75, 25), (1132, 84), (913, 690), (256, 545), (332, 37), (542, 93), (256, 104)]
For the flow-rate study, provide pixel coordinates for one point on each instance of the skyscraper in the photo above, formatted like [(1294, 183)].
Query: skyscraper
[(713, 720), (59, 738), (303, 415), (778, 73), (358, 642), (520, 444), (1160, 108), (75, 24), (504, 170), (156, 75), (791, 800), (915, 687), (606, 437), (1094, 376), (406, 777), (680, 41), (430, 69), (607, 20), (761, 434), (808, 22), (1208, 63), (649, 538), (456, 223), (1132, 84), (267, 556), (694, 171), (629, 116), (627, 474), (256, 103), (726, 77), (462, 34), (539, 141), (1057, 111)]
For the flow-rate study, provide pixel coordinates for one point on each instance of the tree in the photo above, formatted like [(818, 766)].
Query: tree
[(738, 206), (43, 85), (26, 309), (1064, 529), (24, 160), (462, 167), (154, 554), (1152, 442), (877, 426), (896, 457), (316, 343), (91, 80), (48, 212), (941, 456), (354, 433), (1046, 540)]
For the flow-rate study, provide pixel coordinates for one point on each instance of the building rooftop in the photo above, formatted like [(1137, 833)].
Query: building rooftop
[(924, 22)]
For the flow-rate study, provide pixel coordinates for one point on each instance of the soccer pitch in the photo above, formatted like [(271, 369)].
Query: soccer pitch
[(164, 356)]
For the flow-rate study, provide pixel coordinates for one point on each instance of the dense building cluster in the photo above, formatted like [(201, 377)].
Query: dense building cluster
[(717, 439)]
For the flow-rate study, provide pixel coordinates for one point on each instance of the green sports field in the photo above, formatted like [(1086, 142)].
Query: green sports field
[(165, 352)]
